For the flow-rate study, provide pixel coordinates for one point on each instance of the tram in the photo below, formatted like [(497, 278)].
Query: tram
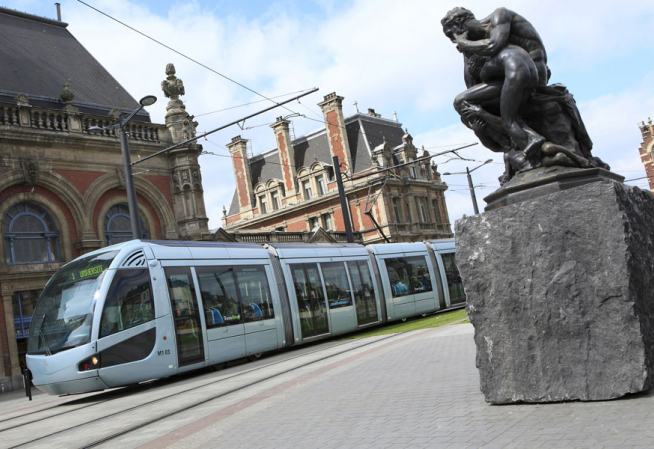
[(143, 310)]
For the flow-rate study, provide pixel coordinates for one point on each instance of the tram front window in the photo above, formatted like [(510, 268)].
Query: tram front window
[(64, 312)]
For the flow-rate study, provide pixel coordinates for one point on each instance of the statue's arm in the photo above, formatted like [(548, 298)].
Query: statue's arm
[(499, 36)]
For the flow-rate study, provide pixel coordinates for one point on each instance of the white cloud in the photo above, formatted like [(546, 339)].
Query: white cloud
[(384, 54)]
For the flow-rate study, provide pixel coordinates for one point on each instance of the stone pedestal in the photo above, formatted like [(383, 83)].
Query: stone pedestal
[(561, 294)]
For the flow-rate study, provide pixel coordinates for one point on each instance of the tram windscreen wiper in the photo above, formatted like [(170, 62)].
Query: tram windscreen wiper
[(47, 344)]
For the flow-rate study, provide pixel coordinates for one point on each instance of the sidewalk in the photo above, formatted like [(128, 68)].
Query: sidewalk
[(413, 390), (422, 393)]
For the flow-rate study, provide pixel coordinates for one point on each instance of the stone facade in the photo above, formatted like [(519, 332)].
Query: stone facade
[(56, 173), (646, 148), (293, 189)]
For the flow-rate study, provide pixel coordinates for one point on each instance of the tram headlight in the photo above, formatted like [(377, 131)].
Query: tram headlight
[(92, 362)]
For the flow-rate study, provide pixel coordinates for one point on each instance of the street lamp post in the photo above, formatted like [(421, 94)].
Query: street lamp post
[(127, 162), (470, 184)]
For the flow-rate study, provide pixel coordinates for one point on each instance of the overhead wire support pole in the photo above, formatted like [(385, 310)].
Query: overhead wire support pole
[(371, 202), (472, 192), (235, 122), (345, 209)]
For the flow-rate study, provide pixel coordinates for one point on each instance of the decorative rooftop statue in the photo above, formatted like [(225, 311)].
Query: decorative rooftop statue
[(508, 103), (172, 86)]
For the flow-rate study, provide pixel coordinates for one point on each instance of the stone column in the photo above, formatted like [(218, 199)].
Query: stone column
[(332, 109), (14, 366), (188, 194), (238, 149), (286, 155)]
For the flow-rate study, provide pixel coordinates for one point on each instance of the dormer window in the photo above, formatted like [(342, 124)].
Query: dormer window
[(320, 182), (263, 204), (269, 196), (412, 169), (313, 180), (306, 188), (274, 196)]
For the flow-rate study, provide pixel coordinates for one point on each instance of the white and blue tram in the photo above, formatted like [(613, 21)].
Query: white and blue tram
[(143, 310)]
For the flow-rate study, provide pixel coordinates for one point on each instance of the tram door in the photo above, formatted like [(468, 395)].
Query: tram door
[(454, 282), (310, 299), (223, 313), (364, 293), (184, 305)]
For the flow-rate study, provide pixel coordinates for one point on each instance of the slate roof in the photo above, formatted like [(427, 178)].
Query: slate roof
[(38, 55), (364, 133)]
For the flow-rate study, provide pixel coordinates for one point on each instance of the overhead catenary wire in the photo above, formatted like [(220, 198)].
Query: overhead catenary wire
[(181, 54), (320, 120), (248, 104), (240, 120)]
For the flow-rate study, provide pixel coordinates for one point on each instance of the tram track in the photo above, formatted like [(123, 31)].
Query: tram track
[(186, 391), (57, 408)]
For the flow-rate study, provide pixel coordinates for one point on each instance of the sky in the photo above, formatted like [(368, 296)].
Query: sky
[(388, 55)]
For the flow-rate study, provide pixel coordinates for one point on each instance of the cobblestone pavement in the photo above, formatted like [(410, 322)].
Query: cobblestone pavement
[(420, 392), (415, 390)]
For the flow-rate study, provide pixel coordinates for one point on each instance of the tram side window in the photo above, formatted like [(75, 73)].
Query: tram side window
[(129, 302), (255, 293), (308, 287), (182, 294), (420, 279), (454, 282), (409, 275), (221, 307), (338, 288), (398, 276)]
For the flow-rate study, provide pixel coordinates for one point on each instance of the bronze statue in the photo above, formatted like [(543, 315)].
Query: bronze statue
[(508, 103)]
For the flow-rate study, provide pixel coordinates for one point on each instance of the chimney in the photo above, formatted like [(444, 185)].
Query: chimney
[(58, 5), (238, 149), (332, 109), (286, 154)]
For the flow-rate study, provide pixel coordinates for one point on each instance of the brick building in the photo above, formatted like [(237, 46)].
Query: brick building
[(62, 188), (292, 187), (646, 149)]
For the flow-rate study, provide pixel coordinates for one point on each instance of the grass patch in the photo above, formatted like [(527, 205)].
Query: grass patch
[(411, 324), (463, 322)]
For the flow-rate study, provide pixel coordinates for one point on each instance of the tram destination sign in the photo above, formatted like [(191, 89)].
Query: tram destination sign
[(92, 271)]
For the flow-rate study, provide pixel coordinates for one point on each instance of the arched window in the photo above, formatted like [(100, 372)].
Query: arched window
[(117, 225), (30, 235)]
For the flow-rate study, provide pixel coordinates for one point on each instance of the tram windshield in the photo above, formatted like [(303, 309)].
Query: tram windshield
[(64, 313)]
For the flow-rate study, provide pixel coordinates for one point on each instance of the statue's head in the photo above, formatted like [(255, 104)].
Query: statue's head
[(454, 21)]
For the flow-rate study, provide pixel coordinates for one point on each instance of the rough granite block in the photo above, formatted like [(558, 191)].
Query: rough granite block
[(560, 290)]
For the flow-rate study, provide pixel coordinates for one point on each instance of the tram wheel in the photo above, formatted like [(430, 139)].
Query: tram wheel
[(403, 320), (254, 357), (218, 366)]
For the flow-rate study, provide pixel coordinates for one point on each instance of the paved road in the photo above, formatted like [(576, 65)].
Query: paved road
[(414, 390)]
